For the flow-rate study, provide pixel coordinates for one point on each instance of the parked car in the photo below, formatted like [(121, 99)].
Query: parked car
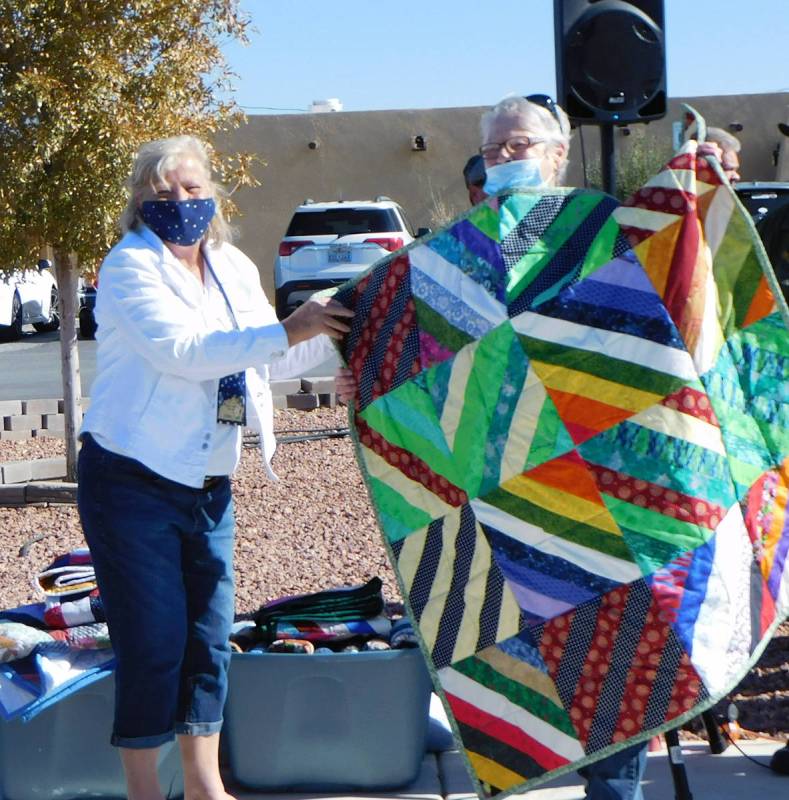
[(762, 197), (28, 296), (327, 243), (86, 311), (768, 204)]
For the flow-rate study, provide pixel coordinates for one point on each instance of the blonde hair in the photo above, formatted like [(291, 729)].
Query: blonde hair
[(556, 132), (153, 161)]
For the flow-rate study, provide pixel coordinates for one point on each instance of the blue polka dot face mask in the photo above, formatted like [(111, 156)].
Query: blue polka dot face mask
[(178, 221)]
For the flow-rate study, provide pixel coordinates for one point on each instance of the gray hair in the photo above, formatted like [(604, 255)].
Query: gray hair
[(723, 139), (534, 117), (153, 161)]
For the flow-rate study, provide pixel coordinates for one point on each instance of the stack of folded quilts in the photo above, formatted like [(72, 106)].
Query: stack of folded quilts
[(69, 586), (50, 649), (72, 609), (346, 619)]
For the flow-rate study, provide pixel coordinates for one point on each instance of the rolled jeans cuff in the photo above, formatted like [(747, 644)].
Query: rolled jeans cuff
[(198, 728), (142, 742)]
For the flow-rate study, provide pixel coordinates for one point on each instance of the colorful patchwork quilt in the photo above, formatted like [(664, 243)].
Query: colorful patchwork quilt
[(48, 665), (573, 423)]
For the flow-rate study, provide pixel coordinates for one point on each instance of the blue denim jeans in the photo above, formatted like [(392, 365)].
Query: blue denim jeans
[(163, 554), (617, 777)]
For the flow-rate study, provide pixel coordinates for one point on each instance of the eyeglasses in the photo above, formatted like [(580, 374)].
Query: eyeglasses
[(514, 146), (546, 102)]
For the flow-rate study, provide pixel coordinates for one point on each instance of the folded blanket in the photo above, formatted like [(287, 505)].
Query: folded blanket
[(69, 575), (47, 665), (18, 640), (31, 614), (47, 675), (326, 632), (68, 613), (84, 637), (333, 606), (403, 634)]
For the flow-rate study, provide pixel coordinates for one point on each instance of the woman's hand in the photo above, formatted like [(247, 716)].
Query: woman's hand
[(345, 385), (709, 149), (317, 315)]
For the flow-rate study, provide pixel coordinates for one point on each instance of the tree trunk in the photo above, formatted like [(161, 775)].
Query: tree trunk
[(66, 275)]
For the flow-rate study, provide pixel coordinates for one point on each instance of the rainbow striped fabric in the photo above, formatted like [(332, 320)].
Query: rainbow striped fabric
[(573, 422)]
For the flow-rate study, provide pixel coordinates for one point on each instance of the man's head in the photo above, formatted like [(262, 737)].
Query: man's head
[(474, 176), (730, 148)]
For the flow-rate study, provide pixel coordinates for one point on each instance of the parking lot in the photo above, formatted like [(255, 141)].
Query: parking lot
[(31, 366)]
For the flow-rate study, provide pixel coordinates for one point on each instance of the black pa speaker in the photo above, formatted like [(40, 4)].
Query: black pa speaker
[(610, 60)]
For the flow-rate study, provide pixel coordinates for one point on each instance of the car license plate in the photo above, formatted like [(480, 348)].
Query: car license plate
[(339, 254)]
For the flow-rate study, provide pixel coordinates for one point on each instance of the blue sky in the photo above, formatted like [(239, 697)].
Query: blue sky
[(439, 53)]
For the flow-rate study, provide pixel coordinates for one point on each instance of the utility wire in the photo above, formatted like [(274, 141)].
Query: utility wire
[(731, 718), (742, 752)]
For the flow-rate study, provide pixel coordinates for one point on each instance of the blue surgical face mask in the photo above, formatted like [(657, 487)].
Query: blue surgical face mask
[(521, 174), (178, 221)]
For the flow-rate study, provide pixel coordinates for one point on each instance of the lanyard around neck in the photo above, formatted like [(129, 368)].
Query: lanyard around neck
[(221, 289)]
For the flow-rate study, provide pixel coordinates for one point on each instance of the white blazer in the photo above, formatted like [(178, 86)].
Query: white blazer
[(159, 360)]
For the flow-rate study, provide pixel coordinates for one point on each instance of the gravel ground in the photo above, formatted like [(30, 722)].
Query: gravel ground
[(313, 530)]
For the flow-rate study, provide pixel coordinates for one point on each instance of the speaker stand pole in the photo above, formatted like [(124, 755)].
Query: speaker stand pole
[(717, 745), (677, 764), (607, 160)]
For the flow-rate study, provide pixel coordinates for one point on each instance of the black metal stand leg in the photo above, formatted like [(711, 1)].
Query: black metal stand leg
[(717, 744), (677, 764), (608, 157)]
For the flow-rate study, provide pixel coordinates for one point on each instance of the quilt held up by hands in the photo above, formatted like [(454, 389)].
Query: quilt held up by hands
[(573, 423)]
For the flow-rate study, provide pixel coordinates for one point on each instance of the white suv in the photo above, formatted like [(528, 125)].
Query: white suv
[(28, 296), (328, 243)]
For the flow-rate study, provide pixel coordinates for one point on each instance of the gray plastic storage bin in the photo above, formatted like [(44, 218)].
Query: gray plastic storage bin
[(334, 722), (65, 752)]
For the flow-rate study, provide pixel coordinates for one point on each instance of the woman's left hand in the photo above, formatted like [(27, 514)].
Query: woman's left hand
[(317, 315), (710, 149), (345, 385)]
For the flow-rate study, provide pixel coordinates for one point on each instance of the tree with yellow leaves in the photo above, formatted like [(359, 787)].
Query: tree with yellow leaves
[(82, 84)]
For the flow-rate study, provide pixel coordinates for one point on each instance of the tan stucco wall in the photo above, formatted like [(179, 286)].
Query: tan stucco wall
[(364, 154), (782, 171)]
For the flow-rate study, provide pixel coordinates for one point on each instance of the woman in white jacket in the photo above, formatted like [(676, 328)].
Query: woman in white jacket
[(186, 343)]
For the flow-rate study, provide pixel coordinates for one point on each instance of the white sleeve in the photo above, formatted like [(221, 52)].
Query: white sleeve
[(162, 327), (303, 356), (296, 359)]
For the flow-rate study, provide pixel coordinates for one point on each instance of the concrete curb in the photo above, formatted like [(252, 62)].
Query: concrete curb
[(39, 469), (35, 493), (28, 419), (23, 482)]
